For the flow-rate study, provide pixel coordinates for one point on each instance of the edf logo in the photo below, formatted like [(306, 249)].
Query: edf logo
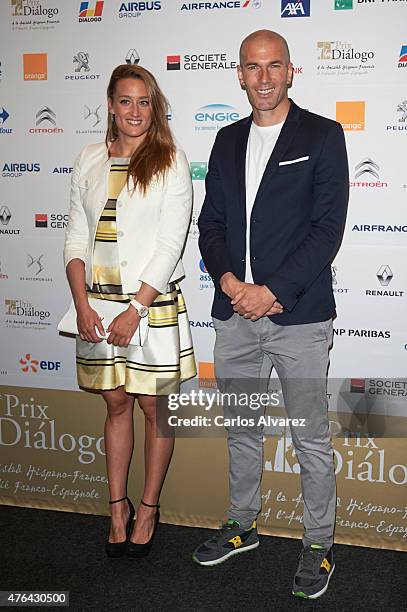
[(295, 9)]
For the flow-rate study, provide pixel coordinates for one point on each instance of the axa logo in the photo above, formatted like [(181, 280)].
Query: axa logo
[(384, 275), (295, 9)]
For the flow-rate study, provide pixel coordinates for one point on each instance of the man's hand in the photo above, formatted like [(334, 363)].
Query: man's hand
[(123, 327), (87, 320), (230, 284), (255, 301)]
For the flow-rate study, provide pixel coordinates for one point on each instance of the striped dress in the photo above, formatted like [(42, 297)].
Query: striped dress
[(167, 356)]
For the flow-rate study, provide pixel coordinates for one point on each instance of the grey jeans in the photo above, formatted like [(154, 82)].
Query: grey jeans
[(245, 353)]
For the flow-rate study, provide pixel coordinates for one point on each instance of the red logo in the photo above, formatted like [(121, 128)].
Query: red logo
[(29, 364)]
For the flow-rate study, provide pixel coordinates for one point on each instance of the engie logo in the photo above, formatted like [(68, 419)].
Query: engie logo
[(351, 115), (35, 66), (29, 364), (295, 9), (91, 14), (215, 116)]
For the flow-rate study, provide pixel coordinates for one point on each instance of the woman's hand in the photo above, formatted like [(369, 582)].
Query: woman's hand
[(123, 327), (87, 320)]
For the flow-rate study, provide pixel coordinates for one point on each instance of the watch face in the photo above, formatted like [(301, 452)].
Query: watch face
[(143, 311)]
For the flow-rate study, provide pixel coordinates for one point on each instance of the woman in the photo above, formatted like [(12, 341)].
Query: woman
[(131, 255)]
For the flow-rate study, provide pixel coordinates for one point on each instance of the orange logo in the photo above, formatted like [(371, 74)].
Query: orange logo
[(351, 115), (35, 66), (206, 374)]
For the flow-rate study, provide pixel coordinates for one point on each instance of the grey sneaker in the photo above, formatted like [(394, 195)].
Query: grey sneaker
[(315, 568), (229, 540)]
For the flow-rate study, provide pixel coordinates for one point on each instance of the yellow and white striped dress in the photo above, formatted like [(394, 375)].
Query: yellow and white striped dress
[(167, 356)]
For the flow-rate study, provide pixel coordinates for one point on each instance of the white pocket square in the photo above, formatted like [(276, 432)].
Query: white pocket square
[(294, 161)]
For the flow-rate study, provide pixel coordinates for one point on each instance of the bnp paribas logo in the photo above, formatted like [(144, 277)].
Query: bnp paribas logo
[(343, 5), (198, 170)]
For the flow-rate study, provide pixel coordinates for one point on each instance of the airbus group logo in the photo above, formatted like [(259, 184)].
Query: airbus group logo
[(295, 9), (130, 10), (210, 6), (215, 116), (367, 175)]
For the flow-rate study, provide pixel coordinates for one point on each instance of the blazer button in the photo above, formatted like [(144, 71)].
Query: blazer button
[(243, 259), (253, 259), (123, 263)]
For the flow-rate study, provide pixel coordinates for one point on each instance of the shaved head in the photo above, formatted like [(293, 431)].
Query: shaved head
[(263, 36)]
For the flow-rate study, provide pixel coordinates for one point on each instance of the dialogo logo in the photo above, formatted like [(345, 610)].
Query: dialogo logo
[(403, 57), (91, 11), (351, 115), (35, 66)]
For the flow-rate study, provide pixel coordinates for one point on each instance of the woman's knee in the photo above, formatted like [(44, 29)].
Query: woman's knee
[(118, 402)]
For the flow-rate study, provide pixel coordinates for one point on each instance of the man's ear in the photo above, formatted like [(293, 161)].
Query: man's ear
[(240, 77), (290, 74)]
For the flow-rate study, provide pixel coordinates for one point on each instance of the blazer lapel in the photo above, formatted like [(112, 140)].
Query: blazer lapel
[(288, 131), (241, 147)]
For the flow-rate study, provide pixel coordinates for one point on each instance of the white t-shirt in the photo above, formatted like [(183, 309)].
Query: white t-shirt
[(259, 148)]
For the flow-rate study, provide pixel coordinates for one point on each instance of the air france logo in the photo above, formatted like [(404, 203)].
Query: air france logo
[(295, 9)]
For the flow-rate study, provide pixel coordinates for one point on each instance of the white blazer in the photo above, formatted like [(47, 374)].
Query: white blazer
[(151, 228)]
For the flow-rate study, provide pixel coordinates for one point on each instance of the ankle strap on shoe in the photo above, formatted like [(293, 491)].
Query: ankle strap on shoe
[(116, 501), (149, 505)]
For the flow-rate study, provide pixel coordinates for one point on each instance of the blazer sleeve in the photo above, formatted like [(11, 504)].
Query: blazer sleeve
[(330, 200), (212, 222), (174, 220), (77, 230)]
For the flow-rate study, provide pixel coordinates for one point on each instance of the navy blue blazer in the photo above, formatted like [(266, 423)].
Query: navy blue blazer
[(297, 220)]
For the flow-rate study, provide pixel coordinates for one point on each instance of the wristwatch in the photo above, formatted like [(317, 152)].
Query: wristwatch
[(141, 309)]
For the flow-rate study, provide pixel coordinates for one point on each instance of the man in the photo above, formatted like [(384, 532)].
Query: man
[(271, 223)]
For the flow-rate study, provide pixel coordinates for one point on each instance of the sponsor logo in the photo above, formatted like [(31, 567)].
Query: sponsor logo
[(62, 170), (82, 71), (91, 11), (206, 374), (4, 115), (53, 220), (403, 57), (22, 314), (335, 288), (384, 276), (129, 10), (35, 66), (379, 334), (215, 116), (29, 364), (210, 6), (200, 61), (193, 231), (33, 8), (36, 269), (15, 170), (5, 216), (368, 171), (198, 170), (341, 58), (402, 122), (92, 118), (295, 9), (45, 121), (205, 279), (343, 5), (3, 275), (357, 385), (201, 324), (132, 57), (379, 386), (394, 229), (351, 115)]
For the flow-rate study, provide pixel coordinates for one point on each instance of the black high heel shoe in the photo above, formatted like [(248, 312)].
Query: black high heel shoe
[(136, 551), (118, 549)]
